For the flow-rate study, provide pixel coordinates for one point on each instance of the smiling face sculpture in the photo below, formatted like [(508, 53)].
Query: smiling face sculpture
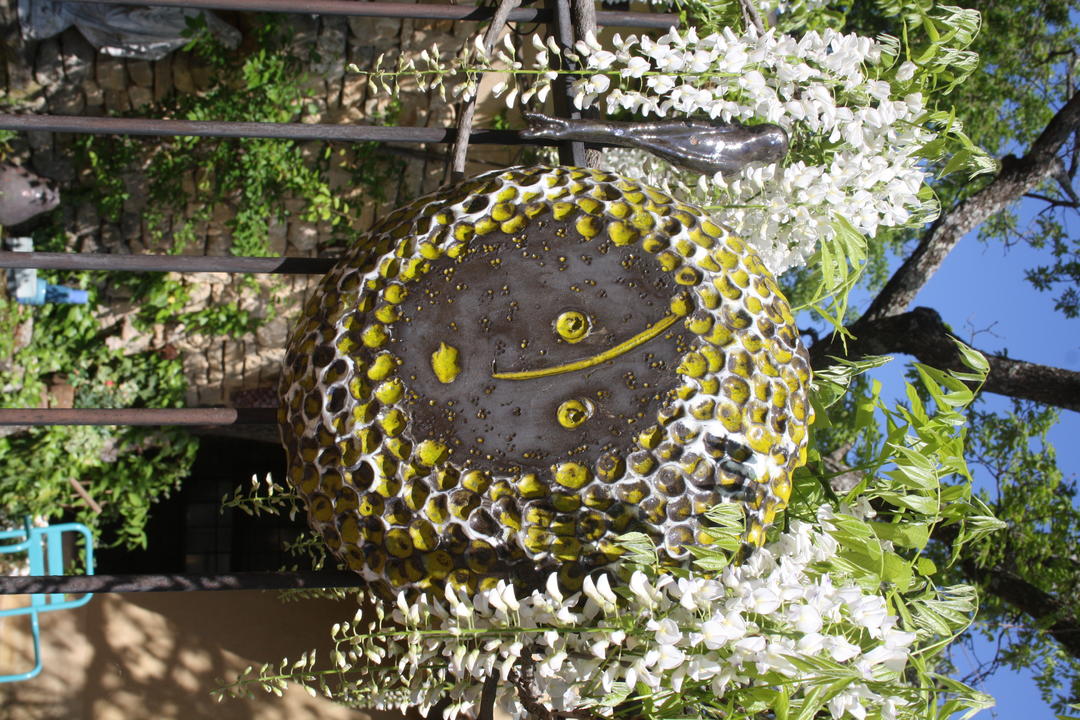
[(516, 370)]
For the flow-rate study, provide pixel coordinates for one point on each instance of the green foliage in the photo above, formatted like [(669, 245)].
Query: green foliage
[(267, 497), (910, 457), (161, 299), (1061, 274), (501, 120), (1026, 525), (124, 469), (1026, 73), (263, 498), (1022, 51), (1038, 505), (226, 319), (107, 160), (249, 176)]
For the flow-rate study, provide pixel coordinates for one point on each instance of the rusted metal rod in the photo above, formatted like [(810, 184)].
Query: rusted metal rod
[(285, 131), (175, 582), (659, 21), (137, 416), (165, 263)]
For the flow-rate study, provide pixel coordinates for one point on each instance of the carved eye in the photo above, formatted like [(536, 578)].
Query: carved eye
[(573, 413), (572, 326)]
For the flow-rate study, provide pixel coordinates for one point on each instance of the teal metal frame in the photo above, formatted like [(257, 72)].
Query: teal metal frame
[(45, 551)]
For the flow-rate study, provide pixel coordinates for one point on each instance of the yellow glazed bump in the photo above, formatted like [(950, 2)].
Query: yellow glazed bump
[(444, 362), (572, 326)]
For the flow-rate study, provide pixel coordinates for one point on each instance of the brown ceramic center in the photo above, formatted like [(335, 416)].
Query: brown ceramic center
[(520, 304)]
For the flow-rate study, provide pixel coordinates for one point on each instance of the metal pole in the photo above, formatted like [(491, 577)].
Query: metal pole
[(658, 21), (176, 582), (285, 131), (137, 416), (165, 263), (571, 152)]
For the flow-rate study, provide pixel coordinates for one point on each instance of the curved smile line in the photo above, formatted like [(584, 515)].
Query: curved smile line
[(626, 346)]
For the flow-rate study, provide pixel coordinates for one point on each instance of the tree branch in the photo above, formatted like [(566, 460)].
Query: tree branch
[(751, 17), (1017, 176), (460, 149), (584, 14), (922, 333), (1051, 613), (1051, 201)]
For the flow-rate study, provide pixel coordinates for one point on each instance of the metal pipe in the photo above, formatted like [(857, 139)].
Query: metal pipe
[(176, 582), (137, 416), (286, 131), (165, 263), (562, 29), (658, 21)]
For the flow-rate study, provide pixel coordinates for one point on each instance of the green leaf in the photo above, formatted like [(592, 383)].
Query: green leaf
[(710, 560), (919, 503), (977, 527), (726, 515), (898, 572), (973, 359), (926, 566), (639, 547), (911, 535), (781, 703), (620, 691), (831, 383)]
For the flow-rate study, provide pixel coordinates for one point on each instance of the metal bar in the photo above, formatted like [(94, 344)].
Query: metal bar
[(165, 263), (176, 582), (659, 21), (286, 131), (137, 416), (570, 152)]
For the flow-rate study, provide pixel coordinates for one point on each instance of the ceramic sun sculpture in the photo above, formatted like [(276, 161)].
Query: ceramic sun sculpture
[(512, 372)]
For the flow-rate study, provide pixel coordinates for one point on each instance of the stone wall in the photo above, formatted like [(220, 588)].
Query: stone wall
[(64, 75)]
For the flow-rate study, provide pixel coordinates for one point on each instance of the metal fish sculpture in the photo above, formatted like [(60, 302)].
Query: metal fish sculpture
[(698, 145)]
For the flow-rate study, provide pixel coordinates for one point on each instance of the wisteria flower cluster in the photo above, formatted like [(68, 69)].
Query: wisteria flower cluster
[(780, 624), (857, 137)]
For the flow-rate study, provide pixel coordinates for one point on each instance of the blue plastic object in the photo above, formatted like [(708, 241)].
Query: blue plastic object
[(38, 292), (45, 551), (29, 289)]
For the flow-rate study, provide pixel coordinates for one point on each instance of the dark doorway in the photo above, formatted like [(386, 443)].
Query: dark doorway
[(190, 533)]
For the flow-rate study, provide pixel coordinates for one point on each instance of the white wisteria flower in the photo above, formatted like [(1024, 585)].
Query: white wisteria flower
[(856, 159), (858, 129), (773, 619)]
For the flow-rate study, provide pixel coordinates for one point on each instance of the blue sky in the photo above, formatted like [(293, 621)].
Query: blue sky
[(982, 287)]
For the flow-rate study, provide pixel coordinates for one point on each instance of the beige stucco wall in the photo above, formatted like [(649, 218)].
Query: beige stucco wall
[(158, 655)]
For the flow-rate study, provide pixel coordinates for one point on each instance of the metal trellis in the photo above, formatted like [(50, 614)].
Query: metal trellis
[(556, 13)]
